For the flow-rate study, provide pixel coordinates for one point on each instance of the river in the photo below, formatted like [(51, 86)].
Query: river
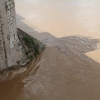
[(69, 67)]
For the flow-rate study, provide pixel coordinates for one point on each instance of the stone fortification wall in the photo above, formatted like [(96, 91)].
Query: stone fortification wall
[(13, 46), (3, 63), (11, 53)]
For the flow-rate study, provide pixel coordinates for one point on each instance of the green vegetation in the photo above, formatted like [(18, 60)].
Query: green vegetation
[(32, 44)]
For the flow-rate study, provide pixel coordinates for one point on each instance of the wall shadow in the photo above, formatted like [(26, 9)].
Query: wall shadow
[(73, 41), (42, 36)]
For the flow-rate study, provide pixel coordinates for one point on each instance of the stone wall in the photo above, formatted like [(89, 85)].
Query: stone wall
[(3, 63), (9, 4), (12, 36), (11, 47)]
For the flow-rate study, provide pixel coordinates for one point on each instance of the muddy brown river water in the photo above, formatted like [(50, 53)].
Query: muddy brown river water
[(69, 67)]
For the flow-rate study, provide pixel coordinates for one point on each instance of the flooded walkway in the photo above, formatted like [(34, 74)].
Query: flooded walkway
[(69, 67)]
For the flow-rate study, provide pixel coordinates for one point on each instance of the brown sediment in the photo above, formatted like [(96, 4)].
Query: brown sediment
[(62, 71), (15, 71)]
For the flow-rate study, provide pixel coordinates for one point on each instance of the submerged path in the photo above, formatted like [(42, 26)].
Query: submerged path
[(69, 67)]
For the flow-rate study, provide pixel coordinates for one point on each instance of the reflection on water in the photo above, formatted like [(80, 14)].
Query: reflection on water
[(68, 69)]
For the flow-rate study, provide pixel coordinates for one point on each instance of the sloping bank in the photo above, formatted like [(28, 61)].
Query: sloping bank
[(30, 47)]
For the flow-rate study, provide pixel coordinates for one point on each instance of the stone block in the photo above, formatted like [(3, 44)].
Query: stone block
[(0, 27), (12, 5), (7, 3)]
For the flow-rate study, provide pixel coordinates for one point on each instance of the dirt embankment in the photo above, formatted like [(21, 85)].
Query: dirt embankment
[(31, 47)]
